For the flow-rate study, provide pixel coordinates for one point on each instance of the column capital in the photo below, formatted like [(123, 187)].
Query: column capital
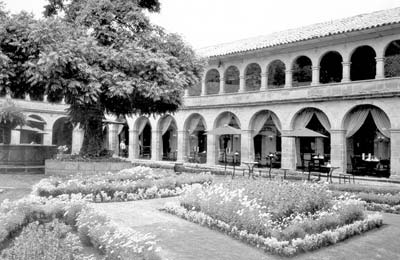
[(380, 59), (241, 77), (346, 63), (316, 67), (394, 130), (338, 131), (289, 71)]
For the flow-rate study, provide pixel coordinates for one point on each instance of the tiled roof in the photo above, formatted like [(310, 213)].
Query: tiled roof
[(319, 30)]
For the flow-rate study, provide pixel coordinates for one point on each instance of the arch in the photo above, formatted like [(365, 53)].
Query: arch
[(363, 63), (34, 130), (196, 139), (143, 127), (62, 133), (169, 138), (232, 79), (392, 59), (227, 118), (367, 136), (331, 69), (307, 147), (276, 74), (212, 81), (302, 71), (267, 141), (253, 77), (228, 147)]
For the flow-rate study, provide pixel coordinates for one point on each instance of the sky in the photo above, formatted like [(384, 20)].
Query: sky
[(208, 22)]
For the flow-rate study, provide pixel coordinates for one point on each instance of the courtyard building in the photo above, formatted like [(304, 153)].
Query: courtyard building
[(328, 91)]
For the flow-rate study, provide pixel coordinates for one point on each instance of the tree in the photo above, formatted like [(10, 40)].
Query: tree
[(10, 117), (100, 57)]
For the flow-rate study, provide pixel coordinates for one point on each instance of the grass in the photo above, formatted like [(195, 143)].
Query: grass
[(16, 186)]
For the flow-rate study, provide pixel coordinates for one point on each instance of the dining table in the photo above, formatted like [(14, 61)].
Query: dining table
[(250, 165)]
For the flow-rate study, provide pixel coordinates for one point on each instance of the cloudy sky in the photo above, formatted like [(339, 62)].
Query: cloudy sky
[(207, 22)]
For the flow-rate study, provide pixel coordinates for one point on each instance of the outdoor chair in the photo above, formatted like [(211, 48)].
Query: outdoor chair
[(383, 169), (357, 166)]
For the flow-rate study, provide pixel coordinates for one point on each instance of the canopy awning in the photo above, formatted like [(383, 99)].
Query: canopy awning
[(32, 129), (31, 119), (305, 132), (224, 130)]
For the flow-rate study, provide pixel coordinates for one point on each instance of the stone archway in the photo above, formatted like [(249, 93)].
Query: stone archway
[(309, 147), (143, 128), (196, 139), (266, 133), (367, 132), (62, 133), (33, 131), (169, 138)]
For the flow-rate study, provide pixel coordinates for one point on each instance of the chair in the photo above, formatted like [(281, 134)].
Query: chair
[(357, 166), (383, 169)]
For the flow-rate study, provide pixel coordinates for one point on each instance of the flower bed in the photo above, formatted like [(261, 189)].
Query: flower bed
[(127, 185), (92, 228), (280, 217), (378, 198)]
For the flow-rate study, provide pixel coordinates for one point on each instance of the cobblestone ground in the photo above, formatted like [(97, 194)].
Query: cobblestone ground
[(183, 240)]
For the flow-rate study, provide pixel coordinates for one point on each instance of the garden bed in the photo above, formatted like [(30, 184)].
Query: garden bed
[(40, 228), (126, 185), (279, 217), (72, 167), (377, 198)]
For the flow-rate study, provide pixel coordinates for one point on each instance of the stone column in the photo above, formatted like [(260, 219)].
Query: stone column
[(133, 148), (203, 88), (15, 137), (77, 140), (288, 153), (380, 68), (338, 150), (315, 76), (113, 138), (242, 84), (395, 153), (182, 146), (246, 146), (48, 136), (346, 65), (156, 153), (212, 149), (288, 78), (221, 85), (186, 93), (264, 80)]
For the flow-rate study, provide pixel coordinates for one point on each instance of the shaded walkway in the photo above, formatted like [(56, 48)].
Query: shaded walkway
[(183, 240)]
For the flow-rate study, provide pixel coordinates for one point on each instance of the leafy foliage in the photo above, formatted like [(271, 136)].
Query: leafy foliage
[(10, 117), (101, 57)]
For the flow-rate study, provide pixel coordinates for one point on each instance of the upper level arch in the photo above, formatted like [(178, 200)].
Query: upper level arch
[(232, 79), (392, 59), (363, 63), (252, 74), (212, 81), (301, 71), (276, 74), (331, 68)]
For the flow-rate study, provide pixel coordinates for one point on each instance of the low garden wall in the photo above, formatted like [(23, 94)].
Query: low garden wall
[(63, 168), (26, 154)]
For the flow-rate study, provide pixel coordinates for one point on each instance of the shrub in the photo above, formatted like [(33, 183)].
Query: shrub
[(365, 188), (47, 241)]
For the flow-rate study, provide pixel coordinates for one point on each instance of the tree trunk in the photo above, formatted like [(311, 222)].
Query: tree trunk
[(93, 138)]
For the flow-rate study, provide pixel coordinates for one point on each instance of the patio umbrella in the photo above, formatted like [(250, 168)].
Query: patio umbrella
[(31, 119), (224, 130), (305, 132), (32, 129)]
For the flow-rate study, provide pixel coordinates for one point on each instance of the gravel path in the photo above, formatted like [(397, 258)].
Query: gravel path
[(183, 240)]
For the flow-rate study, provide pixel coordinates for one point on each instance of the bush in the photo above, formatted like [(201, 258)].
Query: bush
[(115, 242), (355, 188), (47, 241), (129, 184)]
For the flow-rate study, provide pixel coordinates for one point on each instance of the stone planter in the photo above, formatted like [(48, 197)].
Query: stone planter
[(64, 168)]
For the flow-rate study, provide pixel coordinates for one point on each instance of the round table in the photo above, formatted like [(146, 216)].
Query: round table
[(251, 165)]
